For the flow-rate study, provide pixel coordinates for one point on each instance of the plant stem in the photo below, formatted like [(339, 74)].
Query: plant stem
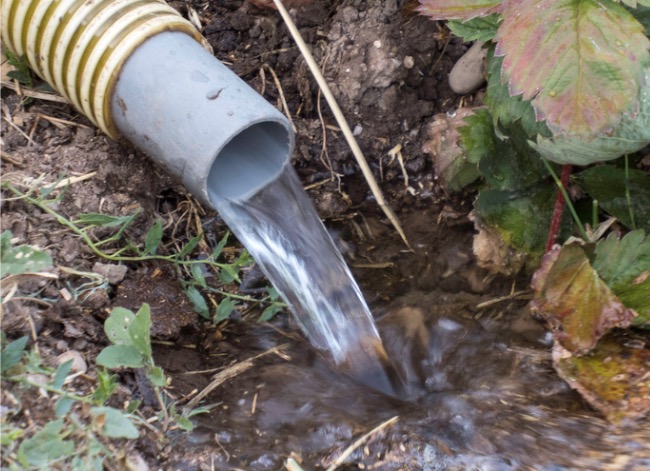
[(562, 199), (94, 246), (628, 198)]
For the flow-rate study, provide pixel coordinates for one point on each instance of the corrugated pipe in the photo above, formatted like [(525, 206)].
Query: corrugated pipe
[(136, 68)]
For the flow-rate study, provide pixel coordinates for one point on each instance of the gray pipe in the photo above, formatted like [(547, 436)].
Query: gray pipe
[(176, 102), (136, 68)]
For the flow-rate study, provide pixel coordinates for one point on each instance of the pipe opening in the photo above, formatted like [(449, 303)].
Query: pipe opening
[(250, 161)]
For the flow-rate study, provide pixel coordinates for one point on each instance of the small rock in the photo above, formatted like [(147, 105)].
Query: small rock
[(78, 363), (468, 74), (113, 273)]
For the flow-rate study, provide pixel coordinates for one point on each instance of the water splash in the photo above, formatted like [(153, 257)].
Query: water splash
[(281, 229)]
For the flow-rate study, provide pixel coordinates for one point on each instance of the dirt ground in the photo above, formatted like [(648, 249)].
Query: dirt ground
[(491, 400)]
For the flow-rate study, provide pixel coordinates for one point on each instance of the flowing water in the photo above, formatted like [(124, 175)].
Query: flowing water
[(280, 228)]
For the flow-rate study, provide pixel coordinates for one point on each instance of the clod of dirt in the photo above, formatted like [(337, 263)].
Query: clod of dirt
[(113, 273), (468, 74)]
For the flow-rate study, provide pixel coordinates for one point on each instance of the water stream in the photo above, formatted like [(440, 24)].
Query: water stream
[(280, 228)]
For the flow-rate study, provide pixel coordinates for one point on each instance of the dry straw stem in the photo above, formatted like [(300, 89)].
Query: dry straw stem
[(349, 450), (343, 124)]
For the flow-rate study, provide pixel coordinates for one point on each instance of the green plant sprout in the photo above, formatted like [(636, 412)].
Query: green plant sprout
[(131, 252), (76, 438), (129, 335)]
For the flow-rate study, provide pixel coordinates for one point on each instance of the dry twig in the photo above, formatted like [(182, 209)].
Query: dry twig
[(345, 128), (360, 441)]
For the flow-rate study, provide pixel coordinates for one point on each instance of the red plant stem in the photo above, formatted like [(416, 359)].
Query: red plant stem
[(558, 210)]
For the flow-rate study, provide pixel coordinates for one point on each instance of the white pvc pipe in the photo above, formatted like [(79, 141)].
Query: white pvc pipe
[(137, 69)]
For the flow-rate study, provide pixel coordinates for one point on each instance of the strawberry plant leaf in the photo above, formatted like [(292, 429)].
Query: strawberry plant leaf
[(632, 135), (634, 3), (477, 29), (456, 145), (458, 9), (613, 378), (625, 266), (577, 303), (562, 54), (509, 213), (607, 184), (509, 109)]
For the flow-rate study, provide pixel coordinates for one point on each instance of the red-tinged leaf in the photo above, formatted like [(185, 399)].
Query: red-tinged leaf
[(614, 378), (580, 62), (458, 9), (579, 306)]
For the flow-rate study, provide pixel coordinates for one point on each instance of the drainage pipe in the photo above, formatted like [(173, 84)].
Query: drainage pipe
[(137, 69)]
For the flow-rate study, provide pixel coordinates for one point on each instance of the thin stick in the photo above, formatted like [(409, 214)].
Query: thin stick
[(349, 450), (34, 94), (345, 128), (278, 85)]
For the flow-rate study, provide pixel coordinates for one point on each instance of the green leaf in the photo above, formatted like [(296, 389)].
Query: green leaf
[(455, 144), (228, 274), (458, 9), (184, 423), (118, 356), (270, 311), (477, 136), (106, 386), (190, 246), (220, 246), (104, 220), (45, 447), (632, 134), (571, 296), (224, 309), (157, 377), (61, 374), (63, 406), (634, 3), (642, 15), (12, 353), (197, 274), (625, 266), (153, 238), (198, 301), (140, 331), (117, 326), (521, 217), (508, 109), (23, 259), (477, 29), (512, 164), (5, 242), (113, 424), (580, 62), (607, 185)]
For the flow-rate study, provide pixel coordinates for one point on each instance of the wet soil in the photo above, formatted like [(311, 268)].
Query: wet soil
[(482, 392)]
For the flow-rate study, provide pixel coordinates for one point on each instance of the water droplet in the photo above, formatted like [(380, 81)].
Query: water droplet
[(552, 93)]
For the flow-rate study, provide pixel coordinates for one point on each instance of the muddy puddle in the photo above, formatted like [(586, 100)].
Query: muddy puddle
[(481, 391)]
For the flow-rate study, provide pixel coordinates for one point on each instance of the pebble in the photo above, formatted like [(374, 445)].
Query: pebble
[(468, 74)]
